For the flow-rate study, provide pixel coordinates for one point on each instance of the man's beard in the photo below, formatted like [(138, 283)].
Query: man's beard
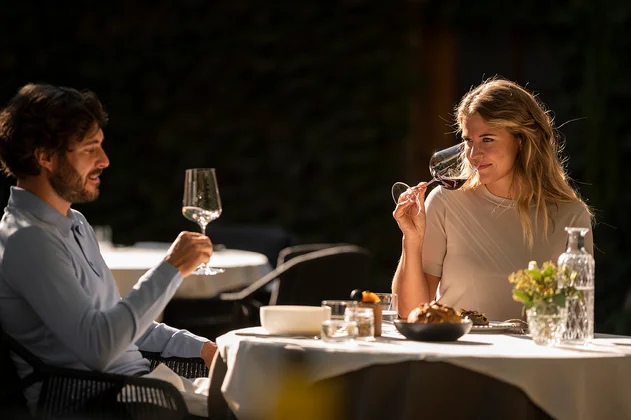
[(69, 185)]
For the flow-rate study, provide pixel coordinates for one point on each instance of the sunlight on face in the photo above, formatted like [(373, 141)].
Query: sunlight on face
[(76, 175), (496, 150)]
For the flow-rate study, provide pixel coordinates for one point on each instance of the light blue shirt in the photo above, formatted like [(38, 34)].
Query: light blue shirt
[(59, 299)]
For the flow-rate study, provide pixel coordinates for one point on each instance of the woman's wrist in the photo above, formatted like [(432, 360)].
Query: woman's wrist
[(412, 242)]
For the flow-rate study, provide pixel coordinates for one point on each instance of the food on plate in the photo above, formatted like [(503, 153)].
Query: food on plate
[(434, 313), (478, 318), (364, 296)]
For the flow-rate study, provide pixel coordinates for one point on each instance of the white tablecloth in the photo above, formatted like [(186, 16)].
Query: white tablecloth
[(242, 268), (591, 382)]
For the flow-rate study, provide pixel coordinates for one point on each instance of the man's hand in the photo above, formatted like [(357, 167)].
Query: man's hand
[(208, 352), (188, 251)]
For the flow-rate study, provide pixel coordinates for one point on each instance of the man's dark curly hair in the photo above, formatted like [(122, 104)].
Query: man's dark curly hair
[(46, 117)]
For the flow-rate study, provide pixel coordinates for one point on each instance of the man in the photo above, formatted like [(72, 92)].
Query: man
[(57, 296)]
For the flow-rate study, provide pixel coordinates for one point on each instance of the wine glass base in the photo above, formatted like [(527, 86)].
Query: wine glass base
[(207, 271)]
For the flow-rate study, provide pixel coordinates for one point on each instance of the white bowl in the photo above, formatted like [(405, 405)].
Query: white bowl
[(293, 319)]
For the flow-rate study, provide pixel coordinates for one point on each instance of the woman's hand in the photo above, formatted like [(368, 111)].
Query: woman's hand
[(409, 217)]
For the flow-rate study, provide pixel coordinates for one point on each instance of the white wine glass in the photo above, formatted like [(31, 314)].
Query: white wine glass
[(449, 167), (202, 204)]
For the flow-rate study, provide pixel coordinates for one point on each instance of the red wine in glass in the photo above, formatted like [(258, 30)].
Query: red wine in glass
[(449, 167)]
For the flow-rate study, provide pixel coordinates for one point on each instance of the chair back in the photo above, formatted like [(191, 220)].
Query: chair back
[(327, 273), (267, 240), (80, 394), (12, 401), (290, 252)]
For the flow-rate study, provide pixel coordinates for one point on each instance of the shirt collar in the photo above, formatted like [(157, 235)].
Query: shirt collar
[(27, 201)]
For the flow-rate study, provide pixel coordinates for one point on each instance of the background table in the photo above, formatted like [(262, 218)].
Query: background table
[(242, 268), (589, 382)]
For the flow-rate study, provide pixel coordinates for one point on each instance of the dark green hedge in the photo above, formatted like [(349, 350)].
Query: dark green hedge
[(303, 108)]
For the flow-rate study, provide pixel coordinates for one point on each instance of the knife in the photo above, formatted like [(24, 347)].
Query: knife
[(292, 336)]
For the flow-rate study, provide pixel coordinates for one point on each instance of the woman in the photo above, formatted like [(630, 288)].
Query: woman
[(463, 244)]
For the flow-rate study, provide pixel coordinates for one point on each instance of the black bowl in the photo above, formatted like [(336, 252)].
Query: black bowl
[(433, 332)]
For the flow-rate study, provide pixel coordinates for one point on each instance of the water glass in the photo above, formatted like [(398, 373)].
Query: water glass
[(390, 302), (338, 307), (365, 319), (338, 331)]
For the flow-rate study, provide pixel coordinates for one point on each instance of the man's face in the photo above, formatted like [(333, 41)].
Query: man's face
[(75, 176)]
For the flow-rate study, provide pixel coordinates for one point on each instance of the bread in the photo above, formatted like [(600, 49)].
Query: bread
[(434, 313)]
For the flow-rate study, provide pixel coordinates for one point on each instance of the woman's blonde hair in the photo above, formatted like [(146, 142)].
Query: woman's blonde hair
[(539, 176)]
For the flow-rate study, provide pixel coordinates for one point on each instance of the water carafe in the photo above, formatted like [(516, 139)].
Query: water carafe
[(580, 324)]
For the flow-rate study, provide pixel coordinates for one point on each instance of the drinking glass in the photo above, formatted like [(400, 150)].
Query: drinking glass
[(338, 307), (202, 204), (365, 319), (338, 331), (449, 167), (390, 302)]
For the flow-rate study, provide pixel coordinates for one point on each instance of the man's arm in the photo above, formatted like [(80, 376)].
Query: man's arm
[(40, 270), (169, 341)]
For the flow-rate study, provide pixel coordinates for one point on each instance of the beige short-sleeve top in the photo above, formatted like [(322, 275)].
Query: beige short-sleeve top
[(474, 241)]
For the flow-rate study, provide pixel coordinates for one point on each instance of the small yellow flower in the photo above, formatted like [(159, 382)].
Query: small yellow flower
[(545, 285)]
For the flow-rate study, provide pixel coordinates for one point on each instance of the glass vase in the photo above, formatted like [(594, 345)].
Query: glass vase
[(580, 321), (547, 324)]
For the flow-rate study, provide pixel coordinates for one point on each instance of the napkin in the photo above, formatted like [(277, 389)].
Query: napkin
[(195, 393)]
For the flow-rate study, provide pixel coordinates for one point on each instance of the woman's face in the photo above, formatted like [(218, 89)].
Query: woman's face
[(496, 151)]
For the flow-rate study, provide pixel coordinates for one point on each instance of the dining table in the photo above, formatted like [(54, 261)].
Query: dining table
[(257, 375), (241, 268)]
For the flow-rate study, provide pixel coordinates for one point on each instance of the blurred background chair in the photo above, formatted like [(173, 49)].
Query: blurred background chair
[(267, 240), (305, 275), (211, 317)]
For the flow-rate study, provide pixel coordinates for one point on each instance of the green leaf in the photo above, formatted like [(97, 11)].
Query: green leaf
[(559, 299), (535, 274), (523, 296)]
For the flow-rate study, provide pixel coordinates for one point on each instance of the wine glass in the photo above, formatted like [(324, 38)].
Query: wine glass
[(449, 167), (201, 204)]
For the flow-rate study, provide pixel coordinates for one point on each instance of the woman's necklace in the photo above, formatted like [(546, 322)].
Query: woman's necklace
[(510, 206)]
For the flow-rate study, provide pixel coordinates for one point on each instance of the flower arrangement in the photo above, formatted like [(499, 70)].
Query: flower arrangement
[(547, 286)]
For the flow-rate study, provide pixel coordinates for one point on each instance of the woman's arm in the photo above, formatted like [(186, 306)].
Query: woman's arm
[(411, 283)]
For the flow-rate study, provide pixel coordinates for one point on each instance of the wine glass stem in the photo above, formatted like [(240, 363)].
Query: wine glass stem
[(202, 226), (433, 181)]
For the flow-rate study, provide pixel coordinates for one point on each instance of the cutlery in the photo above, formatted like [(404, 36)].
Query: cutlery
[(292, 336)]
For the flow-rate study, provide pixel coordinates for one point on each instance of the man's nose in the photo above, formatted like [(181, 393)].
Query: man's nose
[(103, 161)]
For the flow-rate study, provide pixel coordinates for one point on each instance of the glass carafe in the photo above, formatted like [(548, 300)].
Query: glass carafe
[(580, 323)]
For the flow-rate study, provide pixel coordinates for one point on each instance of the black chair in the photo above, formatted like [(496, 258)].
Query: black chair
[(305, 275), (77, 394), (267, 240), (211, 317), (290, 252)]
